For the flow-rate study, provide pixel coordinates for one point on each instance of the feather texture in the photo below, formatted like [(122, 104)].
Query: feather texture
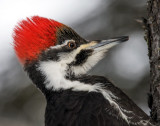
[(34, 35)]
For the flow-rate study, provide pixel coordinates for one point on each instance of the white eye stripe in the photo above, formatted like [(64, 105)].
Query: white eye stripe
[(63, 44), (57, 46)]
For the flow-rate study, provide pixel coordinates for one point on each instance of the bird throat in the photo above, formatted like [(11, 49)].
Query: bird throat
[(55, 75)]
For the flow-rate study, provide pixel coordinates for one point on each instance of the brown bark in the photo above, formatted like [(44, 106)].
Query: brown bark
[(153, 38)]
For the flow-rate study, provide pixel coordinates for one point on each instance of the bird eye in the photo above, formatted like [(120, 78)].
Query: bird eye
[(71, 44)]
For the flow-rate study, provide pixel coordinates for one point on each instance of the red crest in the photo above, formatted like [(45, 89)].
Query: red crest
[(34, 35)]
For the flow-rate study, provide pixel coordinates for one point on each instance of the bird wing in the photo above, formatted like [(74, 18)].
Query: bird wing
[(81, 108), (116, 107)]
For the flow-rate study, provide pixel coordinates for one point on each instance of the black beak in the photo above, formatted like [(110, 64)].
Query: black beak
[(116, 40)]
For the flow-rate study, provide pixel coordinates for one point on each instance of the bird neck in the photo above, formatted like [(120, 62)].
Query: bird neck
[(50, 77), (53, 79), (59, 77)]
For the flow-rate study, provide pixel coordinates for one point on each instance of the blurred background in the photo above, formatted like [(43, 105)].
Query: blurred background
[(127, 65)]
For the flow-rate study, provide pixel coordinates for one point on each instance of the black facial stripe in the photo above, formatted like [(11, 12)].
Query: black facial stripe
[(53, 53), (82, 57)]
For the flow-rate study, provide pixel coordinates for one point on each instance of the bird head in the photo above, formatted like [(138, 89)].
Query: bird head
[(51, 50)]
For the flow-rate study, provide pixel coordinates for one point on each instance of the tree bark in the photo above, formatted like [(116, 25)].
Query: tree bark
[(152, 24)]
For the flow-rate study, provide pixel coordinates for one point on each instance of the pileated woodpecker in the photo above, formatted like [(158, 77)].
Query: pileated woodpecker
[(56, 59)]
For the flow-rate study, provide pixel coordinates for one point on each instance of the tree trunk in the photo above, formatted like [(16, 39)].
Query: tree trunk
[(153, 38)]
